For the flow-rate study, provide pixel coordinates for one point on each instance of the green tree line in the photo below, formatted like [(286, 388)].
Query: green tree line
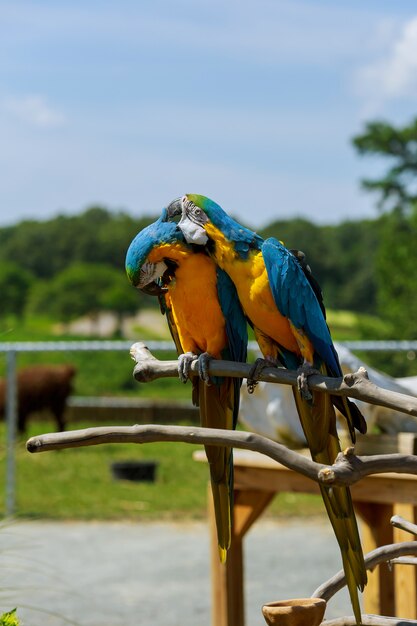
[(69, 266)]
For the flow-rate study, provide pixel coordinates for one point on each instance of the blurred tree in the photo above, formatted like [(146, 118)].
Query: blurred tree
[(397, 252), (121, 299), (341, 258), (84, 289), (398, 187), (14, 288), (95, 236)]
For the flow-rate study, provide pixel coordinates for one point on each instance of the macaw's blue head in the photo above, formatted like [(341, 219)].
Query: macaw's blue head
[(203, 220), (154, 252)]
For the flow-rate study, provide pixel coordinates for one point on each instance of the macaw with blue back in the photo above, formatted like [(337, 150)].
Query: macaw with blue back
[(206, 321), (283, 303)]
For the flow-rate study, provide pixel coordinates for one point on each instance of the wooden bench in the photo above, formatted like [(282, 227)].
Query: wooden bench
[(376, 498)]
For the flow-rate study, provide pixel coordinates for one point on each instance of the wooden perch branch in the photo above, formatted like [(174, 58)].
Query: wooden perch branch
[(370, 620), (400, 522), (346, 470), (356, 385), (380, 555)]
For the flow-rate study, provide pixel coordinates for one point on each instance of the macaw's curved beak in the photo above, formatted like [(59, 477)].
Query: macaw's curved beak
[(174, 209), (153, 289)]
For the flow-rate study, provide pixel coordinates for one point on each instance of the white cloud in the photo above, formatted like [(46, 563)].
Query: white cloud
[(34, 110), (394, 75)]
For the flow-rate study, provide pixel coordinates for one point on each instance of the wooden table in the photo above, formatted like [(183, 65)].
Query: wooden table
[(376, 498)]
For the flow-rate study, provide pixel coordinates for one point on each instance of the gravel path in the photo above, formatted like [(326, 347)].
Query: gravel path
[(125, 574)]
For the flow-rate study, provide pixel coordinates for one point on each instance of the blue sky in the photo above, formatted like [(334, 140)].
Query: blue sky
[(130, 104)]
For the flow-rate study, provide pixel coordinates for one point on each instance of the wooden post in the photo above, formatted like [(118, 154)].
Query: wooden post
[(377, 531), (405, 575), (228, 607)]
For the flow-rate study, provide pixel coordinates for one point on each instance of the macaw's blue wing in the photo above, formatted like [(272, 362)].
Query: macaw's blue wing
[(296, 300), (236, 327), (236, 330)]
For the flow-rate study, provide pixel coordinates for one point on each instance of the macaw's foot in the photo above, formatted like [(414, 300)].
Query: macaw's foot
[(203, 367), (303, 373), (256, 371), (184, 365)]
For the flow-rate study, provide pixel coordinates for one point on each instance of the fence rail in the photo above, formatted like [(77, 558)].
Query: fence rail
[(12, 349), (113, 345)]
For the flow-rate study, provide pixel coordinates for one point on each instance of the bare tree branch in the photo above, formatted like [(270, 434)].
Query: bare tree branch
[(346, 470), (399, 522), (404, 560), (380, 555), (356, 385), (370, 620)]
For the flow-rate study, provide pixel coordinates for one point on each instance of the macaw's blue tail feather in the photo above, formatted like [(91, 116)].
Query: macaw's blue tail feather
[(217, 409), (319, 424), (354, 418)]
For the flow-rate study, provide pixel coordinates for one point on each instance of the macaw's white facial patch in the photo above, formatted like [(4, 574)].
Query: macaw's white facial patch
[(149, 272), (193, 233)]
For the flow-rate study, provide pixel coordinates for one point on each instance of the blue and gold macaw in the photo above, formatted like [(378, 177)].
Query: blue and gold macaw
[(206, 321), (283, 303)]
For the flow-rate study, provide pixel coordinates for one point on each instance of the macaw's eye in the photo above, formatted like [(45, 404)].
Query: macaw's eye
[(197, 211)]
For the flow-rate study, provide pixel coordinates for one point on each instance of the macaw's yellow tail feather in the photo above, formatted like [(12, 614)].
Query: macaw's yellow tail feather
[(343, 520), (216, 411), (318, 420), (221, 499)]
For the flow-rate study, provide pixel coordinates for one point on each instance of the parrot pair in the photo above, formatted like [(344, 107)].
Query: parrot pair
[(273, 288)]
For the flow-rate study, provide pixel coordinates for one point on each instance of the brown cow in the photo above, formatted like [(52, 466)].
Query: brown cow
[(41, 387)]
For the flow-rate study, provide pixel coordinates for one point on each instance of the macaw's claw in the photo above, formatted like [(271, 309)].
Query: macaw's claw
[(184, 365), (203, 367), (303, 373), (255, 372)]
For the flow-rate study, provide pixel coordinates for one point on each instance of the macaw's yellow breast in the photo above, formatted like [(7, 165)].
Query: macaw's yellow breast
[(196, 307), (252, 284)]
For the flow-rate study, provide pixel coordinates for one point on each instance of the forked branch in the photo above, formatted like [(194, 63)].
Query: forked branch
[(370, 620), (346, 470)]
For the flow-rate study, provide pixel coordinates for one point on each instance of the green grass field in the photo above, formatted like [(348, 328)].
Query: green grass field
[(78, 484)]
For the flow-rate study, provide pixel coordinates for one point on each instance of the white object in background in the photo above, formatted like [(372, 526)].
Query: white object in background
[(270, 410)]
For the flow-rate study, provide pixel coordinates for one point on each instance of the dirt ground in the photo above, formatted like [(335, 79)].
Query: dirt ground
[(125, 574)]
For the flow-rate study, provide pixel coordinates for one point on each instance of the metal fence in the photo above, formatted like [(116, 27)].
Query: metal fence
[(12, 349)]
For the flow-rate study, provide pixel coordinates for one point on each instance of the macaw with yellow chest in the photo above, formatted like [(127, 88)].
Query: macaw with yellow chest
[(206, 321), (283, 303)]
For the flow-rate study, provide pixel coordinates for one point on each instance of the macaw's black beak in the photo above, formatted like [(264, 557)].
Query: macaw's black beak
[(174, 209), (153, 289)]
